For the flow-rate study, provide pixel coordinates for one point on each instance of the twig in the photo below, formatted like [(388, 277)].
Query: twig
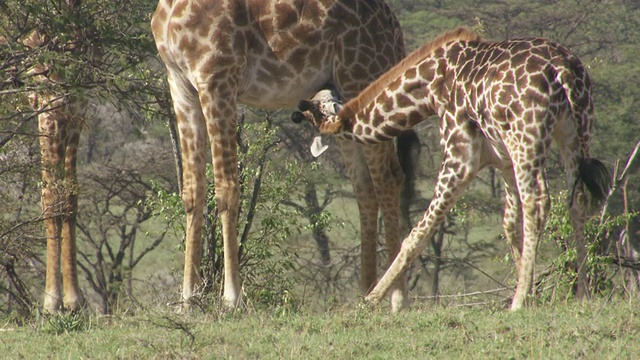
[(626, 263), (475, 293), (172, 324)]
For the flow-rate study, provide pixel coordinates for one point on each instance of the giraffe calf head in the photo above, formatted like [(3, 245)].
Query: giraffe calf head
[(321, 111)]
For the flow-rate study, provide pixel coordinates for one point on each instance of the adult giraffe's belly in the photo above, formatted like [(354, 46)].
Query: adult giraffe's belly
[(274, 84)]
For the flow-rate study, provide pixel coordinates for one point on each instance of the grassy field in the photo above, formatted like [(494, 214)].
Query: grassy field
[(596, 329)]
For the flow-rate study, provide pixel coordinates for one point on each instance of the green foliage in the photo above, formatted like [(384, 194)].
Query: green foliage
[(99, 51), (267, 262), (322, 220), (563, 276), (65, 323), (167, 206)]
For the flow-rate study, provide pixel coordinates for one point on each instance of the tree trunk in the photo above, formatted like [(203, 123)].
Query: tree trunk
[(313, 210)]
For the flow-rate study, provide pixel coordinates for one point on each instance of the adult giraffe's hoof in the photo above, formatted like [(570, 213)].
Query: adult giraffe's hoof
[(399, 302)]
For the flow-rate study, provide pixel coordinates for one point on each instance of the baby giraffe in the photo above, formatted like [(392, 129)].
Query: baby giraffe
[(500, 104)]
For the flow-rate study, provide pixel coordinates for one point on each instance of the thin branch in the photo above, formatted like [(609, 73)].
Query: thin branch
[(148, 249), (474, 293)]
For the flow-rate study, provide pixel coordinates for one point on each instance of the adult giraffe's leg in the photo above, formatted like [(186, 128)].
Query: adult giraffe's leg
[(72, 298), (388, 177), (454, 177), (350, 81), (359, 175), (51, 158), (192, 130), (219, 107)]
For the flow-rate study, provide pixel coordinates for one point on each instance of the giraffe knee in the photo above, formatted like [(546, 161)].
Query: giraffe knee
[(537, 209), (227, 198)]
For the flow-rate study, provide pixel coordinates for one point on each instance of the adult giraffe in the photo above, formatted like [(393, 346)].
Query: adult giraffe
[(270, 54), (60, 120), (59, 124), (501, 104)]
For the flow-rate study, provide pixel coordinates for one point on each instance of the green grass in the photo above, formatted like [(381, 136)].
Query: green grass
[(596, 329)]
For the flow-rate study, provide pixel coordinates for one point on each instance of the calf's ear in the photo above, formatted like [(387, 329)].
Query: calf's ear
[(304, 105), (297, 117)]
